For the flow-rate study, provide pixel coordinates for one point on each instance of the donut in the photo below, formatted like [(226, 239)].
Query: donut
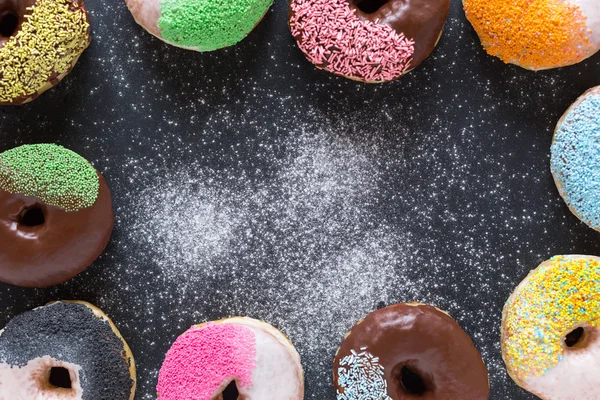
[(55, 215), (367, 40), (65, 351), (575, 158), (40, 42), (550, 336), (409, 351), (228, 358), (198, 24), (537, 34)]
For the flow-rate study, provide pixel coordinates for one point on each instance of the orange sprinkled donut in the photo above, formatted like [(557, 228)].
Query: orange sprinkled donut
[(537, 34)]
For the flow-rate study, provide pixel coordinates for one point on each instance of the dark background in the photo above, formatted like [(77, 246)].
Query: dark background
[(247, 182)]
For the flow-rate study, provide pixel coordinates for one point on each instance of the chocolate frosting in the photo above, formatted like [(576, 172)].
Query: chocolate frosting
[(19, 8), (420, 20), (60, 248), (426, 341)]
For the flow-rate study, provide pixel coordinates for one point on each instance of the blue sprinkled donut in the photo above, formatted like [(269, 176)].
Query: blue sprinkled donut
[(575, 158)]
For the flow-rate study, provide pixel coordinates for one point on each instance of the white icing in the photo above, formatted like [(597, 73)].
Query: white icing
[(278, 373), (146, 13), (591, 9), (575, 377), (30, 382)]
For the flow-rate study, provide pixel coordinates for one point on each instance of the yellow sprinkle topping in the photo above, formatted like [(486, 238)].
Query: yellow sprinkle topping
[(558, 298), (50, 38)]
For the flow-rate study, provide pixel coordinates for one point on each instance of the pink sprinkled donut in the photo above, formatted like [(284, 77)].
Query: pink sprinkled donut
[(232, 358), (367, 40)]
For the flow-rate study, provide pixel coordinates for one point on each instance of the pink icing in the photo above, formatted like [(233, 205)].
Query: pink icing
[(334, 38), (202, 359)]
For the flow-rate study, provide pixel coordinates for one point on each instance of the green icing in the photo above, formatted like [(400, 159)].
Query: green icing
[(57, 176), (209, 24)]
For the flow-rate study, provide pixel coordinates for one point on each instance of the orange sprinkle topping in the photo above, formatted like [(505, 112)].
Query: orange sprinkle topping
[(535, 34)]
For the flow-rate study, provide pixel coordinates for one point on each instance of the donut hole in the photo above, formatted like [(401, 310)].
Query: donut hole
[(231, 392), (32, 216), (370, 6), (574, 337), (60, 377), (9, 21), (411, 382)]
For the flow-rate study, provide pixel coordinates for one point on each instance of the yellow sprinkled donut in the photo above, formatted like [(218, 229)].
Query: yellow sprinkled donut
[(550, 336), (40, 42)]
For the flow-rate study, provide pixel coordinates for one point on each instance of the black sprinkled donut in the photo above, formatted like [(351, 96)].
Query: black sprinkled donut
[(66, 350)]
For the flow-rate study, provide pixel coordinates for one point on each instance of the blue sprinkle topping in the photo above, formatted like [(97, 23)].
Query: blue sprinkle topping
[(575, 159)]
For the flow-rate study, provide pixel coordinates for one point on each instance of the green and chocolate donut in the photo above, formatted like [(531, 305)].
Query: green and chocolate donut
[(201, 25), (55, 215)]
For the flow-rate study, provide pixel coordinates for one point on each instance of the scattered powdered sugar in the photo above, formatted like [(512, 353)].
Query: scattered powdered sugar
[(186, 221), (298, 245), (321, 225)]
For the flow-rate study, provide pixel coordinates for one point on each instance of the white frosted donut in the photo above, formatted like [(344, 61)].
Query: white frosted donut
[(550, 329), (207, 358)]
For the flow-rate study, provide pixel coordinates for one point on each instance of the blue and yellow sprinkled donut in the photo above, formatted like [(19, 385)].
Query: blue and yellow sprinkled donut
[(550, 329), (575, 158)]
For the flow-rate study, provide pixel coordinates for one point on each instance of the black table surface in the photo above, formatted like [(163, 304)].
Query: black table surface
[(247, 182)]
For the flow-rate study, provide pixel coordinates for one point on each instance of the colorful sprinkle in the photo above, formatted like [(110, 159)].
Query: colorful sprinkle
[(575, 159), (209, 25), (533, 33), (50, 39), (558, 298), (57, 176), (204, 358), (361, 377), (333, 38)]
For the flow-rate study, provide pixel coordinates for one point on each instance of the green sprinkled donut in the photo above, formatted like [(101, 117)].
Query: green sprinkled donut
[(202, 25), (57, 176)]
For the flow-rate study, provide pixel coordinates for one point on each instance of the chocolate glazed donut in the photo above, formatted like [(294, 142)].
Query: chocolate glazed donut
[(44, 245), (419, 351), (420, 20)]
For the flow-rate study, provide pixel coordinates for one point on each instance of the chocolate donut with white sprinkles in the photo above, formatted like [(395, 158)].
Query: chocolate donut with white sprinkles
[(409, 351), (66, 351)]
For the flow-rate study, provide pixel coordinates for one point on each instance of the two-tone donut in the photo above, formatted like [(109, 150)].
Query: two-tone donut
[(537, 34), (367, 40), (237, 357), (551, 329), (409, 351), (56, 215), (65, 351), (575, 158), (40, 42), (197, 24)]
